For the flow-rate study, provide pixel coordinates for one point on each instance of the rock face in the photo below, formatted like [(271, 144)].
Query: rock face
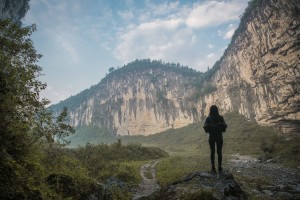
[(260, 71), (258, 76), (13, 9), (145, 101), (201, 185)]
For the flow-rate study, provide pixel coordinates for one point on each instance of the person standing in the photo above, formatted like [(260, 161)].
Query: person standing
[(215, 126)]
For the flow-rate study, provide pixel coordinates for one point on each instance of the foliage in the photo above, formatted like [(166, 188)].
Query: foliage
[(25, 121), (84, 166), (174, 168), (108, 157)]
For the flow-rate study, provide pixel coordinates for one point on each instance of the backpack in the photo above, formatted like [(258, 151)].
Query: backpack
[(215, 124)]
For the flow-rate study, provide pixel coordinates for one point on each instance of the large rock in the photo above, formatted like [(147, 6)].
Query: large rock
[(201, 185), (260, 71)]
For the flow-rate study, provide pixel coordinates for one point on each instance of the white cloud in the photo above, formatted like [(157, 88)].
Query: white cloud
[(160, 39), (211, 56), (170, 32), (212, 13), (69, 48), (55, 94), (230, 31), (162, 9), (126, 15), (210, 46)]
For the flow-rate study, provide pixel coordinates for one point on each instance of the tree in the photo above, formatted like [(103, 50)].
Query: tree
[(25, 121), (111, 69)]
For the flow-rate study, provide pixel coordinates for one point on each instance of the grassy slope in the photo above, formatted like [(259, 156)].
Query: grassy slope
[(189, 146), (242, 137)]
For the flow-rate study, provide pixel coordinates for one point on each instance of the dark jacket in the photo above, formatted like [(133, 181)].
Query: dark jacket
[(215, 125)]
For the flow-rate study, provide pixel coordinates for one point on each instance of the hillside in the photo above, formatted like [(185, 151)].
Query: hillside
[(242, 137), (142, 98), (258, 76)]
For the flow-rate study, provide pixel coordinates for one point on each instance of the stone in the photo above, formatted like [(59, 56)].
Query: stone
[(219, 186), (268, 192)]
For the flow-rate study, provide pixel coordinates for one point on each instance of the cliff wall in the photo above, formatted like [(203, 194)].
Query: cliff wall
[(139, 102), (258, 76), (259, 73)]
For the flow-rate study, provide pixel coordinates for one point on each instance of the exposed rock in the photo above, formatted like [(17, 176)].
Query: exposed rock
[(259, 73), (258, 76), (266, 179), (138, 102), (221, 186)]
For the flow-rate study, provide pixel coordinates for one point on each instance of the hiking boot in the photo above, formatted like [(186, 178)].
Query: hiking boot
[(213, 169), (220, 169)]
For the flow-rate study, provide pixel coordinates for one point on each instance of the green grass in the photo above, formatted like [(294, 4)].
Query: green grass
[(188, 147), (242, 137), (174, 168)]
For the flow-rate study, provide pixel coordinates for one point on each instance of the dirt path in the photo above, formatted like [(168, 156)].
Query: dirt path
[(149, 183)]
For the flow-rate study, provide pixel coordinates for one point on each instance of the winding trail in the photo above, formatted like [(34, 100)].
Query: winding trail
[(149, 182)]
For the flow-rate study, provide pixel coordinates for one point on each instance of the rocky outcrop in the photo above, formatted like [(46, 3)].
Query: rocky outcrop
[(201, 185), (13, 9), (258, 76), (260, 71), (141, 102)]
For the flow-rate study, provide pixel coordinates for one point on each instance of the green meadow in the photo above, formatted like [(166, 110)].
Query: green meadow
[(188, 146)]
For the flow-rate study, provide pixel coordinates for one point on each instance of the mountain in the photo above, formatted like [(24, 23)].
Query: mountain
[(260, 72), (258, 76), (144, 97)]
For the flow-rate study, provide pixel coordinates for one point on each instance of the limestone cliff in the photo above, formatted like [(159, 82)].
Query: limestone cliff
[(258, 76), (144, 100), (259, 72)]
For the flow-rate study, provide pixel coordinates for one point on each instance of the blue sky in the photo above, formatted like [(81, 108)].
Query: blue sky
[(81, 39)]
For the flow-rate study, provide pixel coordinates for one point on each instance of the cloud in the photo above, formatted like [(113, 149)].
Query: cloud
[(126, 15), (230, 31), (154, 39), (171, 32), (210, 46), (211, 56), (55, 95), (162, 9), (212, 13), (69, 48)]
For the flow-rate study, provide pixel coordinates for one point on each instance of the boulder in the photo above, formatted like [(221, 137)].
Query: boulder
[(201, 185)]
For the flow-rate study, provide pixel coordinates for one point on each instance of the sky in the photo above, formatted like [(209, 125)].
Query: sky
[(81, 39)]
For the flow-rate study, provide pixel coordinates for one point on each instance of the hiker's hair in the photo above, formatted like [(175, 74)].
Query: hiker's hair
[(213, 111)]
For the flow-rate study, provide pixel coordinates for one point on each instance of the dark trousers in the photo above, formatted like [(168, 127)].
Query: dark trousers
[(216, 141)]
